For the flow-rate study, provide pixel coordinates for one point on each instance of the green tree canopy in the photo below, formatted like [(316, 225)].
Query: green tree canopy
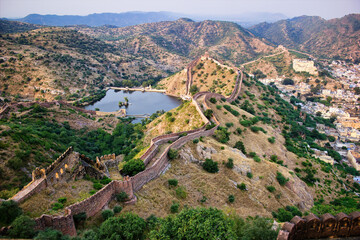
[(198, 223), (127, 227)]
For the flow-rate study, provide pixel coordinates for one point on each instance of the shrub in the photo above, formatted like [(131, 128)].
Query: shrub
[(271, 140), (232, 111), (238, 130), (97, 186), (208, 113), (241, 186), (257, 159), (62, 200), (213, 100), (196, 140), (107, 214), (231, 198), (174, 208), (249, 174), (56, 206), (252, 154), (230, 163), (181, 192), (270, 188), (117, 209), (222, 135), (121, 197), (218, 107), (246, 123), (105, 180), (240, 145), (229, 125), (210, 166), (173, 182), (273, 158), (172, 153), (133, 167), (281, 179), (50, 234)]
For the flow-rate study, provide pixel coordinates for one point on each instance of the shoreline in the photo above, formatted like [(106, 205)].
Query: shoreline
[(138, 89)]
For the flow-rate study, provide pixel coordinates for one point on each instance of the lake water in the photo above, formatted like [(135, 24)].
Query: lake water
[(139, 102)]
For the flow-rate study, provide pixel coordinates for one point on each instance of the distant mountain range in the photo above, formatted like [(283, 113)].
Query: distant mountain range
[(135, 18), (335, 38)]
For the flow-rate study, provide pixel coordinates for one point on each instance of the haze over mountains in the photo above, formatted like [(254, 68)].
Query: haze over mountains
[(135, 18)]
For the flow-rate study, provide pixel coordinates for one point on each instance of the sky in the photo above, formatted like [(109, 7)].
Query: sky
[(325, 8)]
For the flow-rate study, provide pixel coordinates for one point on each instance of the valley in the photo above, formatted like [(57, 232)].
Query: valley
[(242, 140)]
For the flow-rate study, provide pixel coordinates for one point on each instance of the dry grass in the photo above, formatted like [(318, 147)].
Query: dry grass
[(175, 84), (41, 203), (214, 78), (186, 117), (156, 197)]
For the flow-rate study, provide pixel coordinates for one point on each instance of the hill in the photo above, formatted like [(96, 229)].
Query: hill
[(78, 61), (14, 26), (184, 38), (100, 19), (61, 63), (335, 38)]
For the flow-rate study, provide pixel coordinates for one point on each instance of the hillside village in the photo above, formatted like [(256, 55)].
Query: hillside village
[(344, 107)]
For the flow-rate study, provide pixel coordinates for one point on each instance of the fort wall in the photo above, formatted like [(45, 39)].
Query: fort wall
[(96, 202), (325, 226)]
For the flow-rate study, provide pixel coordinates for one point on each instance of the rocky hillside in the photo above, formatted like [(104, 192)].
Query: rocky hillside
[(335, 38), (64, 64), (266, 140), (185, 38)]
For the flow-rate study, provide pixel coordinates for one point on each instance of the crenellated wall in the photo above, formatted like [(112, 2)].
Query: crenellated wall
[(325, 226), (96, 202)]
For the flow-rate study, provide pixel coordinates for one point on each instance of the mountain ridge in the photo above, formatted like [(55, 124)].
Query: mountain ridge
[(334, 38)]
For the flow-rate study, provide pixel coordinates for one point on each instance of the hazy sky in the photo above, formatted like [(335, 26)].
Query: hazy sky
[(324, 8)]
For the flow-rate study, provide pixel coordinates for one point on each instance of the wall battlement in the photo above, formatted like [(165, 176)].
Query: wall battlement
[(325, 226)]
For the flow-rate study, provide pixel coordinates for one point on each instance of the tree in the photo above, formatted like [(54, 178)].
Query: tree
[(194, 89), (128, 227), (133, 167), (208, 113), (107, 214), (254, 228), (210, 166), (173, 153), (288, 81), (22, 227), (51, 234), (281, 179), (195, 224), (240, 145), (357, 90), (230, 163), (121, 197), (9, 210)]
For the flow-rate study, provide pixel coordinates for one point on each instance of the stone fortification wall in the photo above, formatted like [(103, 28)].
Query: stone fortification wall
[(95, 203), (325, 226), (65, 224), (43, 178), (90, 206)]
